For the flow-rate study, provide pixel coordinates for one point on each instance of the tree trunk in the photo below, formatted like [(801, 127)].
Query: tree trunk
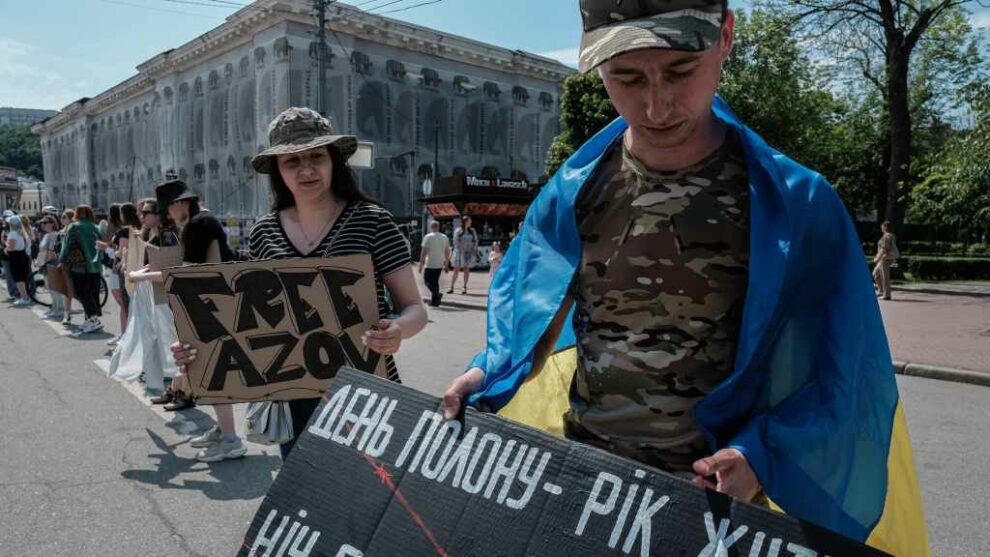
[(900, 131)]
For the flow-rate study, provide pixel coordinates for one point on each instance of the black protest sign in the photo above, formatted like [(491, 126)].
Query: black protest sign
[(380, 473), (274, 330)]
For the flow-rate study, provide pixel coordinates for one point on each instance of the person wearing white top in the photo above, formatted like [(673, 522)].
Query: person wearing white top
[(17, 247), (434, 256)]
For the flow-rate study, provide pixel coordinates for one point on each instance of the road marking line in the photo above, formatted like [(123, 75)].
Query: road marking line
[(56, 326)]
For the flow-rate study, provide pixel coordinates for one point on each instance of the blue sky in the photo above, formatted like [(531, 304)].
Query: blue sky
[(55, 51)]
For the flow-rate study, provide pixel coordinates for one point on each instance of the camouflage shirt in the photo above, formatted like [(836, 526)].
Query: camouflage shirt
[(659, 297)]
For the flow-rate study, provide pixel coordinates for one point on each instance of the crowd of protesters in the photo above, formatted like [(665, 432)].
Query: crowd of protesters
[(318, 211)]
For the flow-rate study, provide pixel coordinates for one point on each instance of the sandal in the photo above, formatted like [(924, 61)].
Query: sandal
[(180, 401), (164, 398)]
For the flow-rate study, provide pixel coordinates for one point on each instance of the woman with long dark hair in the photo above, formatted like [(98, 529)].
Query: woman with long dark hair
[(465, 251), (122, 217), (318, 211)]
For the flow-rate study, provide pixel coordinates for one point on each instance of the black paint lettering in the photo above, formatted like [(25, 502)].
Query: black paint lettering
[(306, 317), (233, 358), (191, 291), (258, 289), (365, 362), (274, 373), (323, 355), (348, 314)]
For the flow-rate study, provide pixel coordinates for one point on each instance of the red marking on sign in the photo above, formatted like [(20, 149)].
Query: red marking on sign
[(386, 477)]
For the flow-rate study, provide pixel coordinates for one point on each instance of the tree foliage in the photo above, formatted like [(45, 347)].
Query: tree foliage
[(21, 149), (957, 190), (584, 110)]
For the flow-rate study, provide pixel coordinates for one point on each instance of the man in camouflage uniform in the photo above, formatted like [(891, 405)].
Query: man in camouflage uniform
[(664, 224)]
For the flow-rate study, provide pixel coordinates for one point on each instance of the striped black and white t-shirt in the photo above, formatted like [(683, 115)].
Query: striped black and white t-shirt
[(370, 229)]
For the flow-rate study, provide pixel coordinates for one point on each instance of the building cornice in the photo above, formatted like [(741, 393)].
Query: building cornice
[(242, 26)]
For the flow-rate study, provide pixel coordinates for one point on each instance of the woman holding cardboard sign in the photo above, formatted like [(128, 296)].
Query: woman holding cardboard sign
[(203, 240), (318, 211)]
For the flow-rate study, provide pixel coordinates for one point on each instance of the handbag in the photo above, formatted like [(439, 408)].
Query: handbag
[(76, 256), (269, 422)]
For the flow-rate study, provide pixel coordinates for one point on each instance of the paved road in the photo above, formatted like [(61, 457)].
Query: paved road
[(88, 468)]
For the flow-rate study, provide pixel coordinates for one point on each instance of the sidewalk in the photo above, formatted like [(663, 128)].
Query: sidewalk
[(952, 288), (936, 330), (476, 298)]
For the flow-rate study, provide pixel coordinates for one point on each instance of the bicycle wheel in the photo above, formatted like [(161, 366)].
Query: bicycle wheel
[(104, 291), (40, 293)]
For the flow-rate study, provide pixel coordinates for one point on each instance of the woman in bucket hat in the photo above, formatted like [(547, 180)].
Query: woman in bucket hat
[(318, 211)]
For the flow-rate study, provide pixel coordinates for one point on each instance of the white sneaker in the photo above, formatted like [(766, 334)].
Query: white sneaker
[(222, 451), (91, 325), (208, 439), (21, 303), (114, 341)]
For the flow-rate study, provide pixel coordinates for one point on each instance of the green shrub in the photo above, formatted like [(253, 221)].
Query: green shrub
[(946, 268)]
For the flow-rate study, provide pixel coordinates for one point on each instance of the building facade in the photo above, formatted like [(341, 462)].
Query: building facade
[(202, 110), (23, 116)]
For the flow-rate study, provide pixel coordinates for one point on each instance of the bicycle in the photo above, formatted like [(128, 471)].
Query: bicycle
[(42, 296)]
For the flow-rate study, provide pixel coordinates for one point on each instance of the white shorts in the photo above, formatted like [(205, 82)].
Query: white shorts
[(113, 280)]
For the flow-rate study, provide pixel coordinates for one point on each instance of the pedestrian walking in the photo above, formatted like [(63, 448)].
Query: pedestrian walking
[(887, 255), (465, 252), (318, 211), (434, 258), (494, 258), (80, 256)]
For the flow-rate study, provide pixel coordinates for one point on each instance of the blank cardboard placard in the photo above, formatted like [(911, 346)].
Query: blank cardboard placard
[(160, 259), (274, 330), (379, 472), (134, 260)]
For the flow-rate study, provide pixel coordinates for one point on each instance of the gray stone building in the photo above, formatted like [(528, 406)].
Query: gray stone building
[(202, 110), (10, 116)]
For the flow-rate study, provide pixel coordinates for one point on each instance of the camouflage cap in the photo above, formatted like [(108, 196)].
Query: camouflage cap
[(296, 130), (614, 27)]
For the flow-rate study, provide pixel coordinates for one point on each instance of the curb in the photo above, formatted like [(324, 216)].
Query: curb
[(943, 373), (924, 290)]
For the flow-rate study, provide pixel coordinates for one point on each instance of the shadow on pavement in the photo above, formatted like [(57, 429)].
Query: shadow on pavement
[(240, 479)]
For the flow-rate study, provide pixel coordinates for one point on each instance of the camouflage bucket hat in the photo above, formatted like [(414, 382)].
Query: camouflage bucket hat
[(297, 130), (614, 27)]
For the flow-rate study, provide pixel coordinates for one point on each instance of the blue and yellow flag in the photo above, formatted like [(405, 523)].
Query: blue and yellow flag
[(812, 402)]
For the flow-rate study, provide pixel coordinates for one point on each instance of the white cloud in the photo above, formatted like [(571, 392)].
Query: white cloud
[(567, 56), (27, 82)]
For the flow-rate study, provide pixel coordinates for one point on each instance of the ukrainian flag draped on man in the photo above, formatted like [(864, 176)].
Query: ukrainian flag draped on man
[(812, 402)]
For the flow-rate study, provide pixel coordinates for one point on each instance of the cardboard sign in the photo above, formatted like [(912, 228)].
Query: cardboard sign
[(379, 472), (160, 259), (133, 258), (274, 330)]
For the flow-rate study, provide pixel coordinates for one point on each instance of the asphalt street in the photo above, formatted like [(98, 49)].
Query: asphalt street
[(88, 467)]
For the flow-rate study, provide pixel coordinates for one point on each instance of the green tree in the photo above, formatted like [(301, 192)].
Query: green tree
[(884, 43), (957, 190), (584, 110), (21, 149)]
